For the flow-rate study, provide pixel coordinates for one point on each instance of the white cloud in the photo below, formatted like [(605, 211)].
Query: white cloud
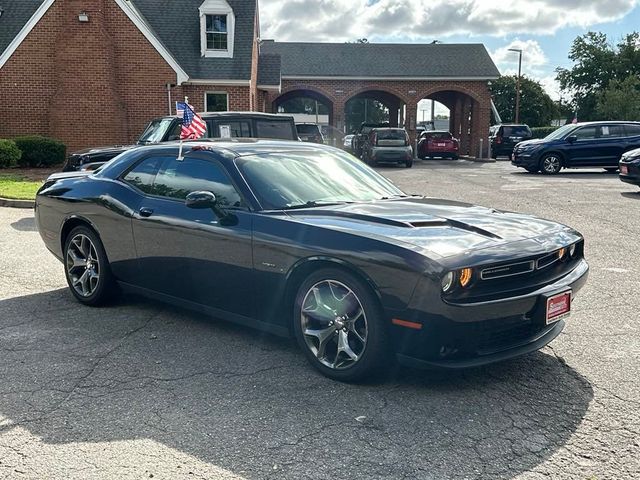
[(341, 20), (532, 54)]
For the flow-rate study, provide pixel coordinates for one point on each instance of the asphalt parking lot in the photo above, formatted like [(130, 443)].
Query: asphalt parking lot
[(142, 390)]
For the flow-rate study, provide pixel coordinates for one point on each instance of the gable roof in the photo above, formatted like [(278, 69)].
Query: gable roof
[(173, 27), (269, 65), (383, 60), (15, 23), (177, 26)]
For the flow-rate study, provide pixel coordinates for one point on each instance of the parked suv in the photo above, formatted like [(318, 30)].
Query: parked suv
[(360, 136), (590, 144), (309, 132), (388, 145), (167, 129), (504, 137)]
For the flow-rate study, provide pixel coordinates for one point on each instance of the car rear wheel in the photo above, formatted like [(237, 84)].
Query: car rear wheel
[(87, 268), (408, 164), (339, 325), (551, 164)]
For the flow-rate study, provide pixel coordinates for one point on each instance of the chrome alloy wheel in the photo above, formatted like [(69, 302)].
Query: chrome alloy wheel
[(82, 265), (551, 164), (334, 324)]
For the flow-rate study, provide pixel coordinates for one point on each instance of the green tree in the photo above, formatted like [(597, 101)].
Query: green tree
[(596, 63), (621, 100), (359, 110), (537, 109)]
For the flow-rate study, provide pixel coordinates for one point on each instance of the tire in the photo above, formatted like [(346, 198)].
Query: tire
[(86, 267), (455, 157), (551, 164), (408, 164), (336, 326)]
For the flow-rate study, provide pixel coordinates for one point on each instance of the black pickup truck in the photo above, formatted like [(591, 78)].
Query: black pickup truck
[(361, 135), (167, 129)]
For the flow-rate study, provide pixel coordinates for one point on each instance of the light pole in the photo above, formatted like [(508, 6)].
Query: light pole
[(519, 51)]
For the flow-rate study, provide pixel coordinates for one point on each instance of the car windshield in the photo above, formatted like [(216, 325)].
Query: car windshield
[(307, 129), (439, 136), (313, 178), (516, 131), (155, 131), (561, 132)]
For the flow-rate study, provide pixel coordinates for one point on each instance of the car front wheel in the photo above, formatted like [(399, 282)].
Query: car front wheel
[(339, 325), (550, 164), (87, 268)]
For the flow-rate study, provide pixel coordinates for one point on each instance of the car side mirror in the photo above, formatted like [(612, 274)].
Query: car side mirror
[(572, 138), (201, 199), (204, 199)]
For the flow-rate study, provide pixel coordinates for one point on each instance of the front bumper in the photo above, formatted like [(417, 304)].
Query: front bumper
[(474, 334), (632, 175), (526, 159)]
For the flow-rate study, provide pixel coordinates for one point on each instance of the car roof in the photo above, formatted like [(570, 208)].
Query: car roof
[(605, 122), (388, 128), (235, 114)]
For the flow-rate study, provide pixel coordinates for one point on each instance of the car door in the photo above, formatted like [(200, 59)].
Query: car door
[(611, 145), (190, 253), (585, 150)]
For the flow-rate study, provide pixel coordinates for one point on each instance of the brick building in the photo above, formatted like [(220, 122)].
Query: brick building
[(93, 72)]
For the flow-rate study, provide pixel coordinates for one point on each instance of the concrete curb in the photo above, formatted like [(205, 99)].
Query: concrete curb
[(480, 160), (8, 202)]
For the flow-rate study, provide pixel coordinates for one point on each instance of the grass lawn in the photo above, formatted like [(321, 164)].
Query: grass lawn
[(18, 187)]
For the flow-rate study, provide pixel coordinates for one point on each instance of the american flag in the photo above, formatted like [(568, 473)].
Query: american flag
[(193, 126)]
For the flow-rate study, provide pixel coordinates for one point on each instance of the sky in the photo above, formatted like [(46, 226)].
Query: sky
[(543, 29)]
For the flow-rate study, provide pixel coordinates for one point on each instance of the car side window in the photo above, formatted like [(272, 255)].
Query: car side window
[(144, 173), (177, 179), (612, 131), (632, 130), (586, 133), (274, 129)]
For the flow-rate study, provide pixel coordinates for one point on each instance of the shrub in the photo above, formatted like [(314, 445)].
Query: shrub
[(9, 153), (40, 151), (541, 132)]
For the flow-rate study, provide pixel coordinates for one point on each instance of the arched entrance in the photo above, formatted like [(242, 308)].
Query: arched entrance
[(466, 117), (306, 104), (375, 106)]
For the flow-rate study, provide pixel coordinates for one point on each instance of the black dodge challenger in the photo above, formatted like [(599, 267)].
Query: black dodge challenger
[(305, 240)]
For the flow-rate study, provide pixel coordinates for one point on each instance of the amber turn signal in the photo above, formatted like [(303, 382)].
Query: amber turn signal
[(465, 277), (562, 253)]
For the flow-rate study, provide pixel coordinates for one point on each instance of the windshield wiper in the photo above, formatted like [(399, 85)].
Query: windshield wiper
[(312, 204)]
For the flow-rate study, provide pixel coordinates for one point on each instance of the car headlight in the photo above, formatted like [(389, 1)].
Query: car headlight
[(447, 282), (572, 250)]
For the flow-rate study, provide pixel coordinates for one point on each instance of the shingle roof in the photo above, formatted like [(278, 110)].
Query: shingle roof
[(177, 26), (269, 69), (15, 16), (383, 60)]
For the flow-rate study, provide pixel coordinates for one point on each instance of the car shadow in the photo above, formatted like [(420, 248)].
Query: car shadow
[(632, 195), (245, 402), (26, 224), (564, 174)]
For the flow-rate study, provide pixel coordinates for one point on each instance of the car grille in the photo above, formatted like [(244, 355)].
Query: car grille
[(502, 271), (497, 335)]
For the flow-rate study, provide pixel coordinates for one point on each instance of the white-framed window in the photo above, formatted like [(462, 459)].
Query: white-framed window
[(217, 26), (216, 101)]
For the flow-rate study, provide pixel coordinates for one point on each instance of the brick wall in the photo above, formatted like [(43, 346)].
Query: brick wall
[(87, 84)]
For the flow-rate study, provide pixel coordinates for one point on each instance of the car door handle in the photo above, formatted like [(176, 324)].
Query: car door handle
[(145, 212)]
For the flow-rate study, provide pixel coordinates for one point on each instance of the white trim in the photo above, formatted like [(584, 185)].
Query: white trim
[(217, 7), (275, 88), (218, 93), (15, 43), (231, 83), (136, 18), (395, 79)]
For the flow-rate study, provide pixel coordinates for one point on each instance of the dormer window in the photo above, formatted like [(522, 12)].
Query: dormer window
[(217, 23)]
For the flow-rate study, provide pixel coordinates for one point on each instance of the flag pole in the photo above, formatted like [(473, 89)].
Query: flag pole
[(180, 156)]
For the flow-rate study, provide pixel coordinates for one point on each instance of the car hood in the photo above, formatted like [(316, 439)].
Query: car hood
[(442, 227), (532, 142), (102, 150)]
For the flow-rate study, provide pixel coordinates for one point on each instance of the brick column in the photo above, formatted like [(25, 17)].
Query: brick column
[(480, 123), (338, 112), (411, 121), (465, 125)]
